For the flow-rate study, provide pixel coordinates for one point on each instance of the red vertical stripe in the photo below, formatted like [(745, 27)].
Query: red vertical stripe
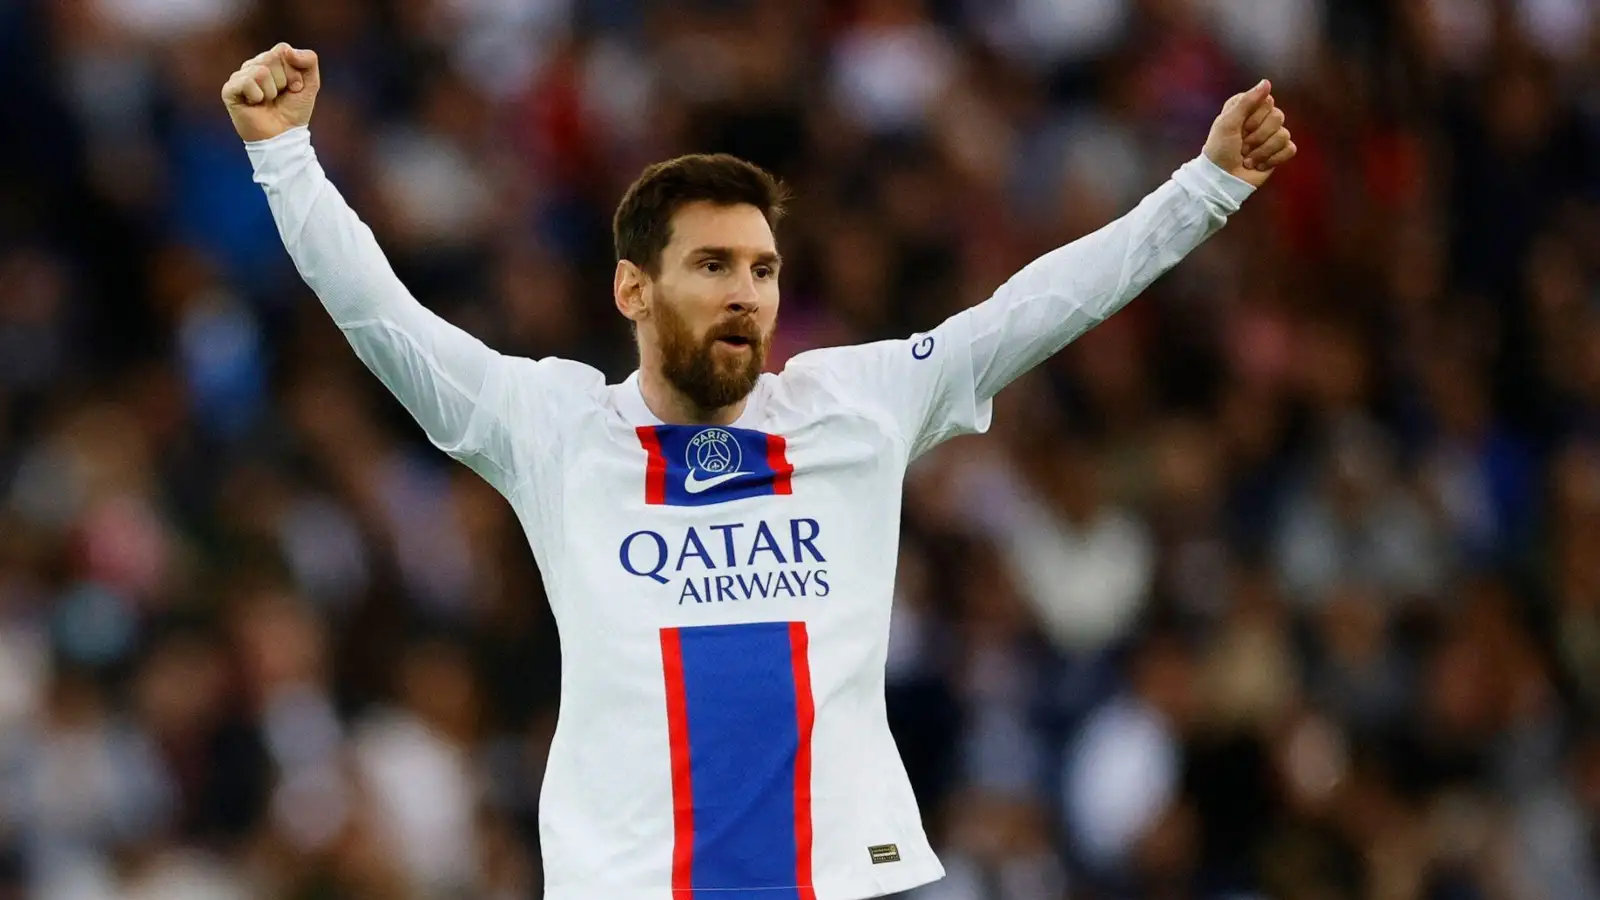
[(807, 714), (678, 737), (655, 473), (778, 462)]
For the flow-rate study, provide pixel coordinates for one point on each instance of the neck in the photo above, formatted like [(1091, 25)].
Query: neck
[(668, 404)]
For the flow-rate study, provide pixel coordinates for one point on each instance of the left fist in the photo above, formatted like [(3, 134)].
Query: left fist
[(1248, 140)]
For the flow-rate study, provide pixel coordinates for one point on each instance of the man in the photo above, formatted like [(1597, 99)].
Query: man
[(719, 544)]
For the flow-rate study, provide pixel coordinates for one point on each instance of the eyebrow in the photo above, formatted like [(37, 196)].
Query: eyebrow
[(765, 258)]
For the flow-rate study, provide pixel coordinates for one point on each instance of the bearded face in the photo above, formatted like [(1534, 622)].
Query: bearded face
[(707, 316), (716, 367)]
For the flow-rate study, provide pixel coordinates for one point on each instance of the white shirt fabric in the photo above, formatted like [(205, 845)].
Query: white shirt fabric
[(722, 594)]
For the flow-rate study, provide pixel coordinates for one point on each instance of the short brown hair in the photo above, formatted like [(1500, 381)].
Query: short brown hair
[(642, 227)]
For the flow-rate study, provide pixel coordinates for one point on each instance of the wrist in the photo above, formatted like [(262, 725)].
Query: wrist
[(1203, 175), (288, 135)]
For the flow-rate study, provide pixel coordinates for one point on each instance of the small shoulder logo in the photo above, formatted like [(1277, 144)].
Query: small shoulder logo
[(712, 457), (924, 348), (884, 853)]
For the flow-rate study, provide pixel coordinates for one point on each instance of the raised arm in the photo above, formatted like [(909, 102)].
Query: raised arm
[(1070, 290), (939, 384), (446, 378)]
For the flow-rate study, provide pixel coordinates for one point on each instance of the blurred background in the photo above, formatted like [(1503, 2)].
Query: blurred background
[(1283, 584)]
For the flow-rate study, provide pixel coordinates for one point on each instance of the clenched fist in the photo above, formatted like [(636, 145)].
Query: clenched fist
[(272, 92), (1248, 139)]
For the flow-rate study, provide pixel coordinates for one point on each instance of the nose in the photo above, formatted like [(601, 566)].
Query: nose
[(745, 297)]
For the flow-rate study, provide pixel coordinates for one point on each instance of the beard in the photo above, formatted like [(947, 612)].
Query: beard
[(708, 375)]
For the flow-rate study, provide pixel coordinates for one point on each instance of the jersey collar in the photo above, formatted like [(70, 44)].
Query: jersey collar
[(630, 403)]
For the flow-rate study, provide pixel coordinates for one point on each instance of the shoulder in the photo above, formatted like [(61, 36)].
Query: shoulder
[(834, 373), (540, 396), (852, 362), (554, 374), (871, 372), (912, 351)]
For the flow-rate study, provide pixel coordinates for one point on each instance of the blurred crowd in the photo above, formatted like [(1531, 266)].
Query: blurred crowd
[(1284, 583)]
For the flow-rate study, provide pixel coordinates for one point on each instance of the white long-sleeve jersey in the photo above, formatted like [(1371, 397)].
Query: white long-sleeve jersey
[(722, 593)]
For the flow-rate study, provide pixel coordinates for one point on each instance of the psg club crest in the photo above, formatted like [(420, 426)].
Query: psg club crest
[(692, 465), (713, 458)]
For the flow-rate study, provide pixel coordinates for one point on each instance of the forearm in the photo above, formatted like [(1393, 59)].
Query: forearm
[(437, 370), (1068, 291), (334, 251)]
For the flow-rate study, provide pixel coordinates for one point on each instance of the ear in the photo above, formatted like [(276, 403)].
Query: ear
[(628, 289)]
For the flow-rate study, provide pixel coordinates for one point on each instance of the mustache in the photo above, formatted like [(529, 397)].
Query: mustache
[(736, 328)]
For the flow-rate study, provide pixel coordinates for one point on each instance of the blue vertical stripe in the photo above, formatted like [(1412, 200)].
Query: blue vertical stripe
[(743, 737)]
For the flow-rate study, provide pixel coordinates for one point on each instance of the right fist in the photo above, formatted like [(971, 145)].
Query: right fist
[(272, 92)]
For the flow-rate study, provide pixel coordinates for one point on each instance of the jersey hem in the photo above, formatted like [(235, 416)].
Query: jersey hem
[(904, 878)]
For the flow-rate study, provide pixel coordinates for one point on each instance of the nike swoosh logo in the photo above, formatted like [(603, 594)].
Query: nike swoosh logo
[(700, 485)]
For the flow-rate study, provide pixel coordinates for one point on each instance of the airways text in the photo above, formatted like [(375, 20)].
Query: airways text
[(733, 561)]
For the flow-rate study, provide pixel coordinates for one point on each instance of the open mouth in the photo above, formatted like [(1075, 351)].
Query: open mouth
[(734, 340)]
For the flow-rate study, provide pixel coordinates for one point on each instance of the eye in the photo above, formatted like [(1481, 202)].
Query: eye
[(713, 267), (765, 272)]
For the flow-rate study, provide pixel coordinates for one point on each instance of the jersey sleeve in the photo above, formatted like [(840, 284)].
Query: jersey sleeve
[(1068, 291), (922, 387), (450, 382), (940, 384)]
